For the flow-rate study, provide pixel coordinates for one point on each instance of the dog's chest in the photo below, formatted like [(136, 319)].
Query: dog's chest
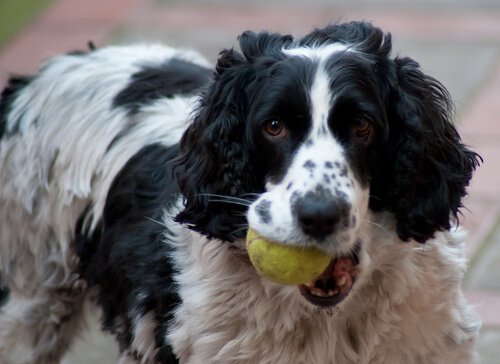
[(229, 314)]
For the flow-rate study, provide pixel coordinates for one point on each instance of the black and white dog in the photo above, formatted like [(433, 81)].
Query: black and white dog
[(130, 175)]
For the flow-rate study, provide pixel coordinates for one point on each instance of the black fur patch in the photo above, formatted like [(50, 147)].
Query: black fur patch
[(4, 293), (309, 165), (9, 94), (127, 255), (174, 77), (343, 171), (263, 211)]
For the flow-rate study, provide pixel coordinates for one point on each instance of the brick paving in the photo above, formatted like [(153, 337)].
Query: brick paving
[(456, 41), (66, 25)]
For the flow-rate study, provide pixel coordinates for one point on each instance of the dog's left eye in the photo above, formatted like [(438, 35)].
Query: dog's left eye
[(363, 127), (275, 128)]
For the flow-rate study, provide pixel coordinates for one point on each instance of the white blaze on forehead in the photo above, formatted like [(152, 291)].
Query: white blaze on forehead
[(318, 53), (320, 97)]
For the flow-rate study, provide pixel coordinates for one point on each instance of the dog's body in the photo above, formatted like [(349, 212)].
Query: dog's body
[(322, 141)]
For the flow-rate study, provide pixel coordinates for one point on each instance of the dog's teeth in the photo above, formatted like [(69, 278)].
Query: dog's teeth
[(333, 292), (310, 285), (341, 281), (318, 292)]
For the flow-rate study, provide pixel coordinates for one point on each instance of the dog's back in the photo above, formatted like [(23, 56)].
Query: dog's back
[(65, 135)]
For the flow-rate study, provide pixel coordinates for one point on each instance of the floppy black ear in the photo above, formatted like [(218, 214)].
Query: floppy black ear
[(214, 161), (212, 158), (426, 168)]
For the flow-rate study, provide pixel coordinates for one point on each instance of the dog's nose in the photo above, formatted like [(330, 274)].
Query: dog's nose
[(318, 216)]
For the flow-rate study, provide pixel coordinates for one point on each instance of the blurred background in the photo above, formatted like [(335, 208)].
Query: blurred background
[(456, 41)]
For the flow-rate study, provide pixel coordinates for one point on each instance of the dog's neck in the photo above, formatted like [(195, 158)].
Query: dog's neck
[(408, 291)]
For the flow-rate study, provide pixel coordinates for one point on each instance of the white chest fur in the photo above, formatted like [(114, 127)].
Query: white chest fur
[(407, 308)]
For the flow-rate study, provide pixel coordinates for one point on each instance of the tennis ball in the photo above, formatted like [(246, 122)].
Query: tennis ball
[(285, 264)]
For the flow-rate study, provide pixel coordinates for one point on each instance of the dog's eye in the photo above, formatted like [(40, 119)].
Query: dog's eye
[(363, 127), (275, 129)]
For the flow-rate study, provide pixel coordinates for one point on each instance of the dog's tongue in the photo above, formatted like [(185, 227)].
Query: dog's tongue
[(335, 283), (341, 273), (337, 277)]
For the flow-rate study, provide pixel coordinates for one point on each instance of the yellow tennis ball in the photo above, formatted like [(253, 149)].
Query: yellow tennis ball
[(285, 264)]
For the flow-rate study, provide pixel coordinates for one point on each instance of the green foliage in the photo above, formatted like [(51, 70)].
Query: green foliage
[(16, 14)]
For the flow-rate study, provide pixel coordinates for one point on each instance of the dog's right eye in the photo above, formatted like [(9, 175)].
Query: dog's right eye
[(363, 127), (275, 128)]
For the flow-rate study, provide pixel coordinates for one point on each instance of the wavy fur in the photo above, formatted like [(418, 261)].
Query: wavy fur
[(130, 175)]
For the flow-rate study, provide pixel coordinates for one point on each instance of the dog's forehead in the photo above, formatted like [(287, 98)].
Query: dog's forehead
[(320, 93), (320, 102), (318, 53)]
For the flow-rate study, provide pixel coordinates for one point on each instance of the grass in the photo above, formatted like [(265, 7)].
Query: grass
[(16, 14)]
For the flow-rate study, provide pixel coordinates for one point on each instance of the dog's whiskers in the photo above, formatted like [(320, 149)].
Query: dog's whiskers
[(240, 229), (252, 194), (375, 224), (153, 220), (240, 214), (230, 202), (227, 199)]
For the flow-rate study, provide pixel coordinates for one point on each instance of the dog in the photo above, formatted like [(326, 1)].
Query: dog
[(129, 176)]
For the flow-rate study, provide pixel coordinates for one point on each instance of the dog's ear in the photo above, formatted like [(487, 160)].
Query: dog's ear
[(214, 169), (212, 158), (213, 164), (426, 168)]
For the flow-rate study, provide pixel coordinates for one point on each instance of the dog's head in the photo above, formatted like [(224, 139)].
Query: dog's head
[(299, 138)]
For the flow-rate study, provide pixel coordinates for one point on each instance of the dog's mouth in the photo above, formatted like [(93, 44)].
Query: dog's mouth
[(335, 283)]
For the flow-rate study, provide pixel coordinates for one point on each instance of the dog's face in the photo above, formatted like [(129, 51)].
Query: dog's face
[(299, 139), (316, 132)]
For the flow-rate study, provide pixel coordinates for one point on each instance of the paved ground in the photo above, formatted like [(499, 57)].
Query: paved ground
[(457, 41)]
